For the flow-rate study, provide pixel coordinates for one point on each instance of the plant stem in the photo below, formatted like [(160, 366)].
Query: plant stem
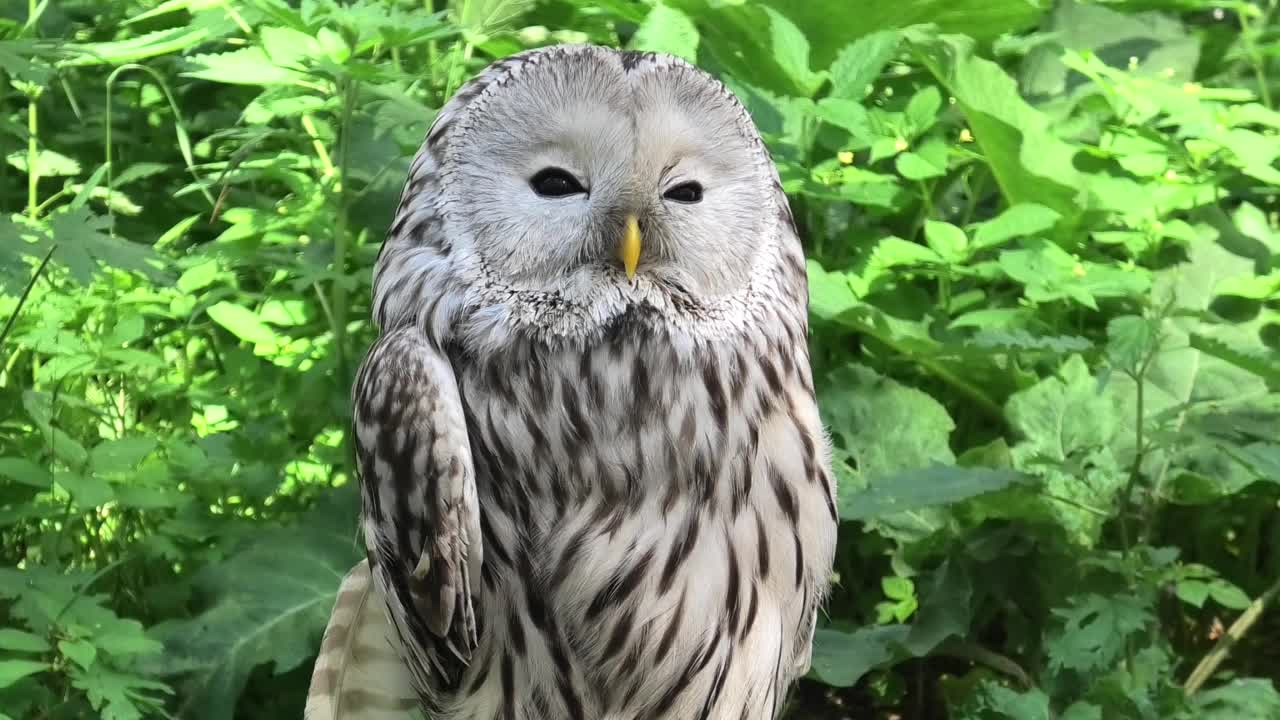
[(33, 154), (8, 325), (1255, 57), (1210, 662)]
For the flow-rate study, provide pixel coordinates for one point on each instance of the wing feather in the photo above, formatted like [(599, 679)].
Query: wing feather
[(421, 517), (359, 674)]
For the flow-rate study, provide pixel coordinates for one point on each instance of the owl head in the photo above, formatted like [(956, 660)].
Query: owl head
[(564, 187)]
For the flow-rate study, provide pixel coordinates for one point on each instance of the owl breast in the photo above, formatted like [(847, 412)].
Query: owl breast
[(657, 524)]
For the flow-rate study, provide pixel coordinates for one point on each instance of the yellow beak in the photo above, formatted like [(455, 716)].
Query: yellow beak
[(629, 251)]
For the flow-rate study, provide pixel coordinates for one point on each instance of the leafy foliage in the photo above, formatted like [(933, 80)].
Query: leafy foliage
[(1045, 296)]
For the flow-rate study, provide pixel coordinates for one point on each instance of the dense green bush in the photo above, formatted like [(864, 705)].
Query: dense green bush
[(1045, 279)]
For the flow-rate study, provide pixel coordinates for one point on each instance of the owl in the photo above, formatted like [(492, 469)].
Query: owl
[(594, 480)]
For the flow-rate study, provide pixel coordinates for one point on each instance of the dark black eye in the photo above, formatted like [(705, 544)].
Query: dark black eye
[(554, 182), (690, 192)]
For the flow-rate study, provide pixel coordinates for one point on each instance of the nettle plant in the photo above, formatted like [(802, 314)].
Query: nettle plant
[(1045, 300)]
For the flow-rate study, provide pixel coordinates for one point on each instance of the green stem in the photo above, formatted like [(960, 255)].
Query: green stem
[(1256, 59), (26, 291), (33, 158)]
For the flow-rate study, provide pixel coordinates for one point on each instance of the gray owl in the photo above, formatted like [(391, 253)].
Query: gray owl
[(595, 484)]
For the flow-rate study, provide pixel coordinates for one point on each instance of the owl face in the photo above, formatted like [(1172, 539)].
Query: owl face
[(586, 173)]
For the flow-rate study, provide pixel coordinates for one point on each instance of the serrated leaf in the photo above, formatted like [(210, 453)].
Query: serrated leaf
[(85, 246), (1094, 630), (1256, 360), (859, 63), (926, 487), (119, 52), (262, 611), (1063, 421), (1130, 341), (246, 66)]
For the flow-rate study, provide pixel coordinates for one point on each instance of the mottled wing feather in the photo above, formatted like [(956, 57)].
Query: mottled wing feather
[(421, 517), (359, 674)]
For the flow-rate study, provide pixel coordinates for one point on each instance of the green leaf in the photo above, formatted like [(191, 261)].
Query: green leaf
[(1030, 163), (119, 695), (81, 652), (263, 611), (1021, 220), (22, 641), (1094, 630), (667, 30), (914, 166), (1131, 340), (858, 64), (120, 456), (947, 240), (246, 66), (841, 659), (946, 597), (1228, 595), (886, 426), (1068, 429), (831, 24), (22, 470), (1013, 705), (85, 246), (1238, 698), (1049, 273), (1152, 44), (1259, 361), (923, 488), (48, 163), (289, 48), (11, 671), (119, 52), (89, 491), (243, 323), (829, 292)]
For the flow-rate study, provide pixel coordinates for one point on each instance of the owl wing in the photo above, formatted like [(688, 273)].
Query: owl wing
[(359, 674), (421, 517)]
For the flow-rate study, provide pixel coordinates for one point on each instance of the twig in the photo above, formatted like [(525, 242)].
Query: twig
[(1209, 664)]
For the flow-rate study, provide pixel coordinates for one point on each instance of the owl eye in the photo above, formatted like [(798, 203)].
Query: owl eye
[(690, 192), (554, 182)]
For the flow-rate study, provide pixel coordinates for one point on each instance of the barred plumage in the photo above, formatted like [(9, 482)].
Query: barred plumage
[(590, 495)]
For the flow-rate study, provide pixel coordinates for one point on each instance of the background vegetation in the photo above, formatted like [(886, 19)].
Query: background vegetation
[(1046, 310)]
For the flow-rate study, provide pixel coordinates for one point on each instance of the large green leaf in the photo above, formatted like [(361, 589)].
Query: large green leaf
[(269, 605), (668, 30), (925, 487), (1028, 160), (841, 658), (830, 24), (1068, 429)]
